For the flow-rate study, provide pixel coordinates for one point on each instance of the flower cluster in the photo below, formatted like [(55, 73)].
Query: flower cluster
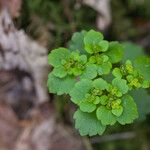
[(131, 75)]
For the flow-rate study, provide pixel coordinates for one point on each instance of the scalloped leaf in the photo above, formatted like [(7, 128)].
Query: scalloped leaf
[(132, 51), (87, 123), (130, 112), (79, 91), (105, 116), (77, 42), (115, 52), (87, 106), (60, 85), (91, 38), (116, 73), (142, 99), (103, 46), (117, 111), (142, 64), (57, 55), (104, 68), (100, 83), (59, 72), (90, 72), (121, 84)]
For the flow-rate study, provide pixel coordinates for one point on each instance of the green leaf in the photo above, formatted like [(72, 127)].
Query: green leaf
[(105, 116), (76, 71), (117, 111), (115, 52), (87, 123), (59, 72), (142, 99), (87, 106), (103, 99), (104, 57), (75, 55), (79, 91), (60, 85), (92, 38), (83, 59), (142, 64), (116, 73), (57, 55), (100, 83), (146, 84), (77, 43), (132, 51), (103, 46), (90, 72), (97, 100), (129, 110), (121, 84), (92, 60), (104, 68)]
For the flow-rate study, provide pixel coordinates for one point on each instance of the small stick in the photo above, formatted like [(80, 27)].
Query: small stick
[(113, 137)]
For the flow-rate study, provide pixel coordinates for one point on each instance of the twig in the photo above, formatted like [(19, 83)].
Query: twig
[(87, 144), (113, 137)]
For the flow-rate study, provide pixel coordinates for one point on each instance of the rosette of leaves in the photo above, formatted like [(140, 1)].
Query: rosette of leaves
[(67, 66), (106, 102), (102, 53), (78, 71), (66, 62)]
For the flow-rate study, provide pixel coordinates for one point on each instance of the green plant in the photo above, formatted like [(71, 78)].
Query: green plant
[(82, 71)]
